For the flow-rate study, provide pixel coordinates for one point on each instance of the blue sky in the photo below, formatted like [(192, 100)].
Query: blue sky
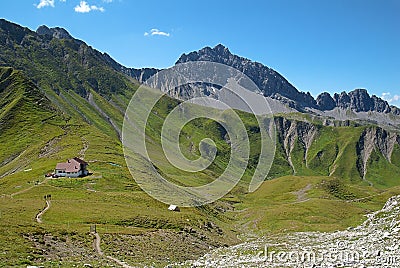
[(318, 45)]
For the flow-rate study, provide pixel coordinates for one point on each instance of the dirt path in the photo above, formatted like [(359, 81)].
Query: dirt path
[(123, 264), (40, 214), (96, 245)]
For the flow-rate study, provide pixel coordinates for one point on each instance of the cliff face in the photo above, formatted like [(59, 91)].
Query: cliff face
[(291, 131), (378, 139)]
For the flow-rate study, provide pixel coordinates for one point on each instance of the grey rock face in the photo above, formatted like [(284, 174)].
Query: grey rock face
[(360, 100), (374, 138), (325, 102), (342, 100), (56, 32), (357, 100), (289, 131), (395, 110), (142, 74)]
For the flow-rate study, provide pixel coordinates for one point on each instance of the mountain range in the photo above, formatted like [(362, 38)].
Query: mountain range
[(337, 157), (270, 82), (274, 85)]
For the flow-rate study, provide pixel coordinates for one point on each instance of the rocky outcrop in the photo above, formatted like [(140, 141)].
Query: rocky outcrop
[(143, 74), (385, 142), (339, 123), (374, 138), (55, 32), (306, 133), (140, 75), (290, 131), (287, 136), (12, 32), (325, 101), (357, 100), (365, 146), (395, 110)]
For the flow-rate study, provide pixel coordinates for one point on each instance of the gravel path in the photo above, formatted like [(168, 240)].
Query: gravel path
[(97, 247), (40, 214)]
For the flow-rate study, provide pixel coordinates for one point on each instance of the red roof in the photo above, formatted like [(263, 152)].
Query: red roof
[(80, 160), (72, 165)]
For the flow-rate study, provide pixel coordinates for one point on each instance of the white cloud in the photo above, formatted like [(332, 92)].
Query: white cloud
[(107, 1), (84, 7), (101, 9), (156, 32), (63, 1), (387, 96), (45, 3)]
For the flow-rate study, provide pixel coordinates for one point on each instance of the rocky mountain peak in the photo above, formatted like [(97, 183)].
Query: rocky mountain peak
[(270, 82), (325, 101), (219, 53), (221, 48), (56, 32)]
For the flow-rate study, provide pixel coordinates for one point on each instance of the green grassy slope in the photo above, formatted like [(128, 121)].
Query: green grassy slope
[(35, 135), (68, 71), (27, 119)]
